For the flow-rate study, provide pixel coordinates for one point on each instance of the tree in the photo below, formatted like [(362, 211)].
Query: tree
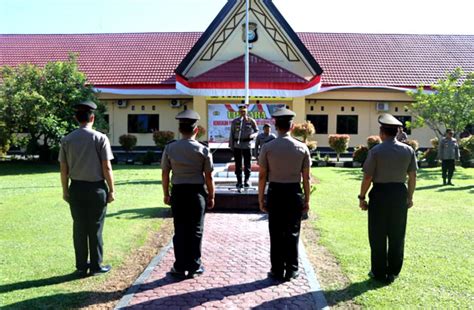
[(39, 101), (451, 105), (339, 143)]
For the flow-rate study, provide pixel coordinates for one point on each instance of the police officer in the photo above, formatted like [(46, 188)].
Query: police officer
[(264, 137), (448, 152), (284, 162), (85, 157), (192, 166), (402, 135), (386, 168), (242, 131)]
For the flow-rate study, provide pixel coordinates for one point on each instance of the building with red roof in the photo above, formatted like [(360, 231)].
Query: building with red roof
[(339, 81)]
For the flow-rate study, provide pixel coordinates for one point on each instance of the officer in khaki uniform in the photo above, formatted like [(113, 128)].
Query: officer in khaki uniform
[(192, 166), (386, 168), (448, 153), (85, 157), (264, 137), (284, 162), (242, 131)]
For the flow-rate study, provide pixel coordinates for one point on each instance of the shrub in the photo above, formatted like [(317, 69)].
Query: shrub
[(339, 143), (4, 146), (431, 157), (413, 143), (128, 142), (201, 132), (435, 143), (467, 144), (465, 157), (303, 130), (312, 145), (162, 138), (149, 158), (360, 153), (373, 141)]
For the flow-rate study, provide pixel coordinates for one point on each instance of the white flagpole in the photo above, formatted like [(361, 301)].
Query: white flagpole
[(247, 51)]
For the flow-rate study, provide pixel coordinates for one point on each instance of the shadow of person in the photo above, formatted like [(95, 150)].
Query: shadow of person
[(195, 298), (64, 300), (334, 297), (5, 288), (304, 301)]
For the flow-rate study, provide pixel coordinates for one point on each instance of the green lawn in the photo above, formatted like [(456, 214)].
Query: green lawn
[(438, 270), (37, 256)]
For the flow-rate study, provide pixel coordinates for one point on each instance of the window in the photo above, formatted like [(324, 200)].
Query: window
[(347, 124), (320, 123), (404, 119), (143, 123)]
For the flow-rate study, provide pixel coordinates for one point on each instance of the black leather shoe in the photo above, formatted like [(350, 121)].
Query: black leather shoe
[(289, 275), (177, 273), (101, 270), (196, 273), (391, 278), (377, 278), (246, 184), (81, 273), (451, 184), (275, 275), (239, 185)]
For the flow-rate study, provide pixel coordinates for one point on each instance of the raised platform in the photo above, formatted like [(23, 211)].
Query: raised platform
[(228, 197)]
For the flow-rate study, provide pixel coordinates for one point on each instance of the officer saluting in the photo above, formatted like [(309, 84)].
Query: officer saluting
[(387, 167), (192, 166), (85, 159), (284, 162), (242, 131)]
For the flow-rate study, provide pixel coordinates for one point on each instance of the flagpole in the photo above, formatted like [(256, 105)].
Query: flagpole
[(247, 52)]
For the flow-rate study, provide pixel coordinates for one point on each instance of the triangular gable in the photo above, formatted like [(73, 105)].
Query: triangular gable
[(224, 41)]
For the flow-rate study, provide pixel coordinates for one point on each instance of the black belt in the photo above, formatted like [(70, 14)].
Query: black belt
[(101, 182), (243, 140), (285, 186)]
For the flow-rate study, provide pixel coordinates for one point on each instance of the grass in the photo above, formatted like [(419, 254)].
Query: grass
[(439, 253), (37, 256)]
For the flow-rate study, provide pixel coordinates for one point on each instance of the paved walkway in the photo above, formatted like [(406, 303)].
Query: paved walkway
[(236, 258)]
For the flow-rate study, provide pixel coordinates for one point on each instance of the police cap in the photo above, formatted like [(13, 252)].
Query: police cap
[(188, 117), (388, 120), (283, 114), (85, 106), (243, 108)]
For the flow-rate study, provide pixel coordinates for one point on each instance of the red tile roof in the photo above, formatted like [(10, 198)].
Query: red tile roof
[(261, 70), (347, 59)]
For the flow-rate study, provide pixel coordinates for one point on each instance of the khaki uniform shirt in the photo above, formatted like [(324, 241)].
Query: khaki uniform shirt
[(248, 127), (448, 149), (261, 140), (83, 150), (188, 160), (390, 161), (284, 158)]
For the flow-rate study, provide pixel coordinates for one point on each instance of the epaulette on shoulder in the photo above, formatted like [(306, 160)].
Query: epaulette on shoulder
[(172, 141)]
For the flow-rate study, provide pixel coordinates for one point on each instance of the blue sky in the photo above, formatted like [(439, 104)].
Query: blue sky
[(373, 16)]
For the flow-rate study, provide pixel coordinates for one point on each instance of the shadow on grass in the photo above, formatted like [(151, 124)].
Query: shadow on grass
[(26, 167), (334, 297), (469, 188), (6, 288), (138, 182), (64, 301), (435, 174), (144, 213), (427, 187)]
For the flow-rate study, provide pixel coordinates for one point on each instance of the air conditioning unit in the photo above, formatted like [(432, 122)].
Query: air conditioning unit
[(383, 107), (122, 103), (175, 103)]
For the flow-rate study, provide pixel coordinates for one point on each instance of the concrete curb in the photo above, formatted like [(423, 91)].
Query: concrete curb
[(314, 285), (125, 300)]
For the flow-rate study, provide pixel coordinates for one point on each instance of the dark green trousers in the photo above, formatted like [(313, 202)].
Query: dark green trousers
[(188, 204), (387, 226), (284, 204), (88, 204)]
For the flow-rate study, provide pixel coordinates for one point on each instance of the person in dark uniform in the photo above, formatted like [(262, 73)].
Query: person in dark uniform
[(284, 162), (242, 131), (386, 168), (85, 157), (448, 153), (192, 166), (264, 137)]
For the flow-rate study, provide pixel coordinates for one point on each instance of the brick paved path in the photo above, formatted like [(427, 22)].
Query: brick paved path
[(236, 259)]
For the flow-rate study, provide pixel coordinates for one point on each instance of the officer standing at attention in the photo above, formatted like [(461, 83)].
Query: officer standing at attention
[(85, 157), (284, 162), (192, 166), (387, 167), (264, 137), (242, 131), (448, 152)]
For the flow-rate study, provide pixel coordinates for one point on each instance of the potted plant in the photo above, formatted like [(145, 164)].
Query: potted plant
[(339, 143), (162, 137), (128, 142)]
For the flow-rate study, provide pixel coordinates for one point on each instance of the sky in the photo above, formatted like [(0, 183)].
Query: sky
[(112, 16)]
